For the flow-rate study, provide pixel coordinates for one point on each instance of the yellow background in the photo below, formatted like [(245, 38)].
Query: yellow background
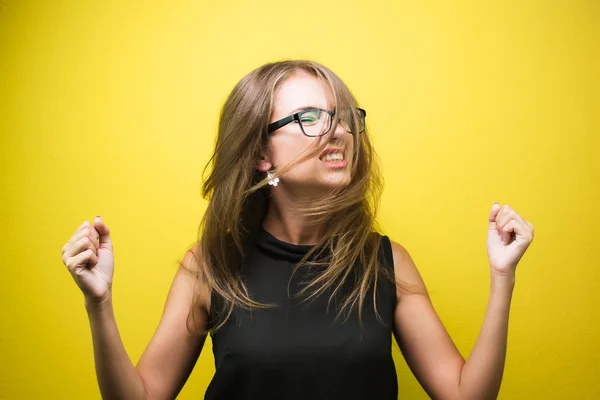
[(111, 108)]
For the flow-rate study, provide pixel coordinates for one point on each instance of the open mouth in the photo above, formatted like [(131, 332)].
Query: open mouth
[(332, 154), (333, 158)]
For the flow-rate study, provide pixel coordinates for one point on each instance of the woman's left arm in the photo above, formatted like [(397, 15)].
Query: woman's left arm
[(428, 349)]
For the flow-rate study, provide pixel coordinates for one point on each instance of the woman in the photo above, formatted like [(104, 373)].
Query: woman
[(299, 291)]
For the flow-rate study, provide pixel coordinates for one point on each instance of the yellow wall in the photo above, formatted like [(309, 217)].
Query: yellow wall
[(110, 108)]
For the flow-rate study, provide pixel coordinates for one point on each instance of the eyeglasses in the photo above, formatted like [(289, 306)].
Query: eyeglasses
[(317, 122)]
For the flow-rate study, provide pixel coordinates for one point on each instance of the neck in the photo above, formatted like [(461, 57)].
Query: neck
[(289, 226)]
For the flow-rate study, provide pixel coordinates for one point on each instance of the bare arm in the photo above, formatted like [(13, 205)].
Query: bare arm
[(116, 374), (168, 359), (482, 374), (430, 352)]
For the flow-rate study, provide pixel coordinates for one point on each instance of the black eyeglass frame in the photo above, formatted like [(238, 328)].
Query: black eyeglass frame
[(273, 126)]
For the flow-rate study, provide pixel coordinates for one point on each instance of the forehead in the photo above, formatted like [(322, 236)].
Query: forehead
[(301, 90)]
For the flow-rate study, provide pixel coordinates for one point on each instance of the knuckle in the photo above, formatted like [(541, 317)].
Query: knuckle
[(84, 243), (85, 255)]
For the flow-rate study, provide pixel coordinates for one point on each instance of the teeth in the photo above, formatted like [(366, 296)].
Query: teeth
[(333, 157)]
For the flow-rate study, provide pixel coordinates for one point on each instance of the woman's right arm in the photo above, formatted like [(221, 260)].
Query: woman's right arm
[(169, 358)]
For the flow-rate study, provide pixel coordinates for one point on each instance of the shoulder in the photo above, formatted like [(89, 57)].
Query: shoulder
[(191, 263), (406, 272), (399, 252), (192, 271)]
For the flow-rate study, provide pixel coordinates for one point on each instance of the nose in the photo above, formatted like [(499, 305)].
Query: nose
[(339, 130), (336, 137)]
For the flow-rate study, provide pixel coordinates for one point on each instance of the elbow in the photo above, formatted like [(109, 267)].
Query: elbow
[(145, 395), (476, 395)]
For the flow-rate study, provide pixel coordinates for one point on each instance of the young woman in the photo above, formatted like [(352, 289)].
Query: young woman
[(300, 292)]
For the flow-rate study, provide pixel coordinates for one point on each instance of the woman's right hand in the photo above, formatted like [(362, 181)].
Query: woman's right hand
[(89, 258)]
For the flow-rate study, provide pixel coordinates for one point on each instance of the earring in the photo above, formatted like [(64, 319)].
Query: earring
[(271, 180)]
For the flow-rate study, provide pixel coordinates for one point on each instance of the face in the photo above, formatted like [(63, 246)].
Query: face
[(288, 143)]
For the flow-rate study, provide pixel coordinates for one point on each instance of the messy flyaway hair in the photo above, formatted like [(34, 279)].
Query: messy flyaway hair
[(349, 251)]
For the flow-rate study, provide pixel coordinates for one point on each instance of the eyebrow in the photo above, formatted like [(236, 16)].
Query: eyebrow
[(305, 108)]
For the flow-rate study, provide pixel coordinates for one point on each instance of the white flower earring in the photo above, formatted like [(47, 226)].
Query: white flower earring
[(272, 181)]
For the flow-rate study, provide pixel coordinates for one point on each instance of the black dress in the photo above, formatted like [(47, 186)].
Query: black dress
[(297, 351)]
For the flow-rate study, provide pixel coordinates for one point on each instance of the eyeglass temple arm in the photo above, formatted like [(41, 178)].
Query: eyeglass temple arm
[(282, 122)]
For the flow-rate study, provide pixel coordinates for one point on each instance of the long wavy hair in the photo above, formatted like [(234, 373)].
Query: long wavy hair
[(347, 254)]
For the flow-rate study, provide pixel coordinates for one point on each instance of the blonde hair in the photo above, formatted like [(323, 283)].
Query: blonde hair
[(238, 194)]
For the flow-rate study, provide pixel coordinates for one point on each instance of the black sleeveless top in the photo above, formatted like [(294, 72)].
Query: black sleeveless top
[(297, 351)]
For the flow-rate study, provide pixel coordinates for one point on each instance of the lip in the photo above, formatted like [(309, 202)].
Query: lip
[(332, 150), (335, 164)]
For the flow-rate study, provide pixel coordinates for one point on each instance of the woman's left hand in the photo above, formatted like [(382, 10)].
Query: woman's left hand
[(508, 237)]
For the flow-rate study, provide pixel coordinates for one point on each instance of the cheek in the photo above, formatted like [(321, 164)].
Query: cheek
[(290, 149)]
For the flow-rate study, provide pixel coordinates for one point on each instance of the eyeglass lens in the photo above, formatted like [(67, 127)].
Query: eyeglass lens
[(318, 122), (315, 122)]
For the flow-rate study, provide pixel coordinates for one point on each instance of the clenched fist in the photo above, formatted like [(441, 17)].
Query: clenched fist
[(89, 258)]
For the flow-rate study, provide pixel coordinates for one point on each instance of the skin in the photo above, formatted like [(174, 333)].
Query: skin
[(311, 178), (427, 347)]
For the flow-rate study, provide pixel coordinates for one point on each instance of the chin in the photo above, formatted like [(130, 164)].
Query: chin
[(318, 180), (336, 181)]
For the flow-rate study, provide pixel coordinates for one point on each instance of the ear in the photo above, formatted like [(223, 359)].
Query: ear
[(264, 165)]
